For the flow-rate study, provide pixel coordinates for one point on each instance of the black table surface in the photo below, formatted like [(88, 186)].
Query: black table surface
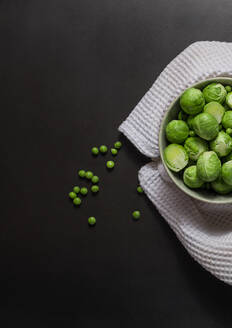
[(71, 72)]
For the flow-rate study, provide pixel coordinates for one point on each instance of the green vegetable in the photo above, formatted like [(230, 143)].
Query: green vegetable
[(118, 145), (192, 133), (182, 116), (215, 92), (84, 191), (205, 126), (103, 149), (176, 157), (195, 146), (114, 151), (77, 201), (190, 121), (227, 119), (91, 220), (191, 178), (95, 179), (72, 195), (94, 189), (222, 145), (229, 99), (110, 164), (220, 186), (140, 190), (208, 166), (95, 151), (192, 101), (81, 173), (229, 131), (227, 172), (89, 175), (215, 109), (177, 131), (76, 189), (228, 88), (136, 215)]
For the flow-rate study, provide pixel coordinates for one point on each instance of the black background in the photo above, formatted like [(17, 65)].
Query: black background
[(70, 72)]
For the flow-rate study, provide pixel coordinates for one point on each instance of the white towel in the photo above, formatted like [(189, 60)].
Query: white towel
[(205, 230)]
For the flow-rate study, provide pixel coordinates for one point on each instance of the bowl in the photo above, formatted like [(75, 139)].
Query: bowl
[(171, 114)]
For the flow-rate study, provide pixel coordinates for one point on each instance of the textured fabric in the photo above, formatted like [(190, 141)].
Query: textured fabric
[(205, 230)]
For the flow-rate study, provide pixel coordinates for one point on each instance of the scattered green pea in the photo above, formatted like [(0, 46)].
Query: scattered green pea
[(114, 151), (228, 88), (72, 195), (91, 220), (76, 189), (95, 151), (192, 133), (136, 215), (94, 189), (229, 131), (103, 149), (89, 175), (95, 179), (84, 191), (140, 189), (110, 164), (118, 145), (77, 201), (81, 173)]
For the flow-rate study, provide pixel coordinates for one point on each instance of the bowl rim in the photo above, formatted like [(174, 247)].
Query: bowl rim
[(186, 190)]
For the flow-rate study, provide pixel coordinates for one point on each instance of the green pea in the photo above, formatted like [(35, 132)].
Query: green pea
[(114, 151), (95, 151), (89, 175), (136, 215), (84, 191), (228, 88), (91, 220), (192, 133), (76, 189), (77, 201), (110, 164), (72, 195), (140, 189), (94, 189), (95, 179), (103, 149), (81, 173), (229, 131), (117, 145)]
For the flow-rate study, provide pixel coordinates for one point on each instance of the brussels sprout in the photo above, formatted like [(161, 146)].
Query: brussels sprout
[(222, 145), (227, 172), (177, 131), (205, 126), (228, 88), (190, 121), (175, 157), (192, 101), (220, 186), (215, 109), (227, 119), (195, 147), (229, 100), (229, 131), (191, 179), (182, 116), (215, 92), (208, 166)]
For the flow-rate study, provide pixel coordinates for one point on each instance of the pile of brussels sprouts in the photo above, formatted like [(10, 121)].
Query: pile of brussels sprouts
[(200, 139)]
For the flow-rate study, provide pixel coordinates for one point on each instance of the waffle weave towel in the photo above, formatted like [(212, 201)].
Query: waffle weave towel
[(205, 230)]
